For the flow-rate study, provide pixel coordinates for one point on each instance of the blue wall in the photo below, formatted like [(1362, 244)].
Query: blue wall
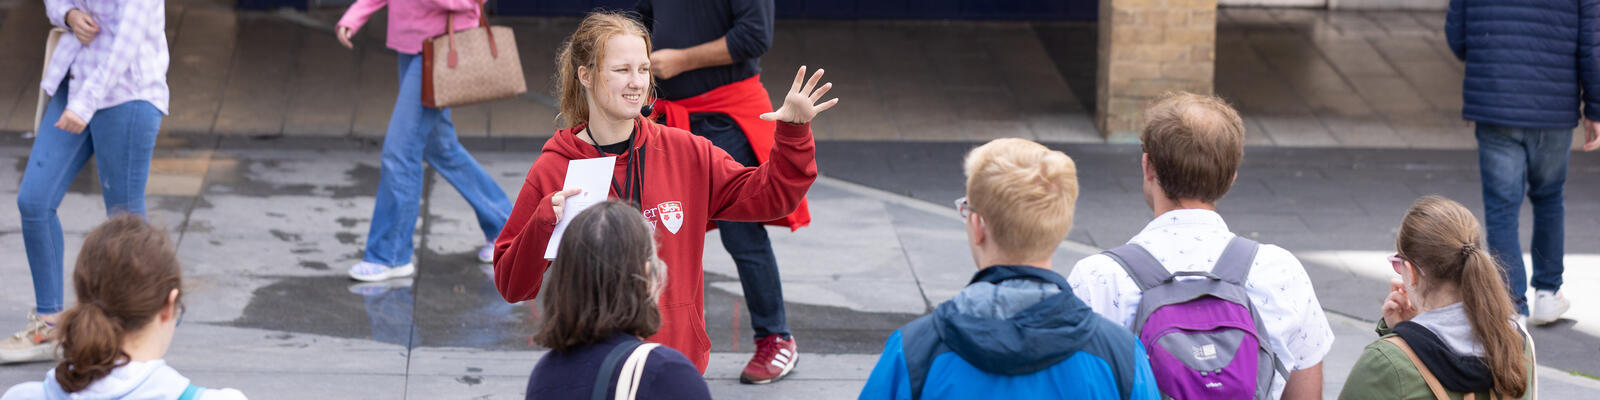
[(821, 9)]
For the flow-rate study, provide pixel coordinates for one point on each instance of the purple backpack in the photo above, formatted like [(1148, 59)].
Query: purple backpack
[(1204, 338)]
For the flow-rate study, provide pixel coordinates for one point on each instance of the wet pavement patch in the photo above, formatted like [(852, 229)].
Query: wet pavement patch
[(448, 304)]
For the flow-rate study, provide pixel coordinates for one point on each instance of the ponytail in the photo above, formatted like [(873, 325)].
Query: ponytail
[(1488, 308), (125, 276), (1443, 239), (91, 345)]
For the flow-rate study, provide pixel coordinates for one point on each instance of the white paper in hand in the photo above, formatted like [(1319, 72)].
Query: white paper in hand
[(593, 175)]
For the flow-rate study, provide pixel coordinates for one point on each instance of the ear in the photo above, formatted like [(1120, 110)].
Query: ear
[(1144, 164), (1234, 180), (976, 229), (586, 77), (170, 311)]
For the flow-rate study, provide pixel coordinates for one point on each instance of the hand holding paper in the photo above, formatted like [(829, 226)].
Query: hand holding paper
[(590, 177)]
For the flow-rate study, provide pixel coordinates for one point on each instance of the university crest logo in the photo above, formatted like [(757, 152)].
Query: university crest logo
[(671, 214)]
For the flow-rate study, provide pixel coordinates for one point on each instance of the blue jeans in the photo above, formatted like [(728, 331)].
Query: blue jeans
[(418, 134), (121, 139), (747, 242), (1518, 162)]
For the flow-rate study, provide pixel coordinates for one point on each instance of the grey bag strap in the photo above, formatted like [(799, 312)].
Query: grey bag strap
[(1233, 266), (1141, 266)]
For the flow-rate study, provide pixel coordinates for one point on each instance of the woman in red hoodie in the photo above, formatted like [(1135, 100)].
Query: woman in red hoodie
[(680, 181)]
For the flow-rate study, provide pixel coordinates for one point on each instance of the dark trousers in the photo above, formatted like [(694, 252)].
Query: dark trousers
[(747, 242)]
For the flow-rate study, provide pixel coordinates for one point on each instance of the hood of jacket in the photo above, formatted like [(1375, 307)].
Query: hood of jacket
[(1442, 338), (149, 380), (1015, 320), (569, 145)]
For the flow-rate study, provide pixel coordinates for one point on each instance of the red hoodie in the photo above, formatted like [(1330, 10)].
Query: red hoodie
[(687, 182)]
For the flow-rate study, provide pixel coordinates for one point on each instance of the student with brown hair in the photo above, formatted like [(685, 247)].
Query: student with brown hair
[(128, 283), (679, 181), (601, 303), (1193, 145), (1447, 327)]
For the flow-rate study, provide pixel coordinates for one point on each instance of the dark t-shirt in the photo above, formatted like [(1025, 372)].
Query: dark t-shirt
[(681, 24), (571, 374)]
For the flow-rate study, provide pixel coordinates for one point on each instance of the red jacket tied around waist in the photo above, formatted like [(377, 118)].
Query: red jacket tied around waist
[(744, 101), (687, 183)]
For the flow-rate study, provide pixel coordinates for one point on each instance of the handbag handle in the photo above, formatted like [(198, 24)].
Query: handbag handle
[(483, 21)]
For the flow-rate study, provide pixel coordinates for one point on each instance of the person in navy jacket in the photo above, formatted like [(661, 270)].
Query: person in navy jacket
[(1531, 67)]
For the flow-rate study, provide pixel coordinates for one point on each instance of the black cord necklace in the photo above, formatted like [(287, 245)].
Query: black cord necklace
[(631, 187)]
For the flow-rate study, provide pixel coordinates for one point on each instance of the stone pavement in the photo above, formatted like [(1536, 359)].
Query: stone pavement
[(1301, 78), (1351, 116), (265, 228)]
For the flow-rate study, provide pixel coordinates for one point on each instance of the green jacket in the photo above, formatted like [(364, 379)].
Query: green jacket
[(1385, 372)]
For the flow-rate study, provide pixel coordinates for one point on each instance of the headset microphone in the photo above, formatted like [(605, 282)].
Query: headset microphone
[(648, 108)]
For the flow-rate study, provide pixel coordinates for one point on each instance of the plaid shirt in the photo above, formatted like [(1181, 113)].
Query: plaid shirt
[(126, 61)]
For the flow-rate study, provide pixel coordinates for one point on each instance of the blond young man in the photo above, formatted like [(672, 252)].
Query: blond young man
[(1193, 145), (1016, 330)]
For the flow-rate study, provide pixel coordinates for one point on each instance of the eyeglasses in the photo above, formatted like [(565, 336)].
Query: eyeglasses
[(181, 310), (1399, 264), (963, 208)]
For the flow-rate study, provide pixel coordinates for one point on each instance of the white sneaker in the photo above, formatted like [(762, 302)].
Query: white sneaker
[(486, 254), (1548, 307), (370, 272)]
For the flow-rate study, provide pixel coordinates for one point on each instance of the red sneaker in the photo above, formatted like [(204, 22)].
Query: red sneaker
[(775, 357)]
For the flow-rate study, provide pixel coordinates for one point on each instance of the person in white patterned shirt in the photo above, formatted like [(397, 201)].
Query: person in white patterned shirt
[(1193, 145), (109, 93)]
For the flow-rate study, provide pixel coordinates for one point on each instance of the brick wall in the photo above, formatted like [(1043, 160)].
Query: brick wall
[(1148, 47)]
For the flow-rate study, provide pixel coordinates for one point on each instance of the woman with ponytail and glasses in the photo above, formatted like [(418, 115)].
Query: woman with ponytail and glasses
[(1447, 328), (128, 284), (680, 181)]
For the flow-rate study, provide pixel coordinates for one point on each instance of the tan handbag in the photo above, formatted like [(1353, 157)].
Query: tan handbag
[(49, 51), (472, 66)]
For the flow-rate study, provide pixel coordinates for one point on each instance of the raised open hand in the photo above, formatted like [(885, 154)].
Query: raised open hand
[(800, 105)]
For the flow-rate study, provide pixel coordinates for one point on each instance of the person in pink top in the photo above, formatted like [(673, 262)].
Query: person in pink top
[(416, 134)]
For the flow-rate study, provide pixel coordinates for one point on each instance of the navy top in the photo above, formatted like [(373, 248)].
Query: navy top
[(681, 24), (1529, 63), (570, 374)]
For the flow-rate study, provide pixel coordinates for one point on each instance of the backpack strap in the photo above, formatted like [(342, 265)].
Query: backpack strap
[(1233, 266), (633, 371), (1427, 376), (921, 344), (603, 377), (191, 393), (1140, 265)]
